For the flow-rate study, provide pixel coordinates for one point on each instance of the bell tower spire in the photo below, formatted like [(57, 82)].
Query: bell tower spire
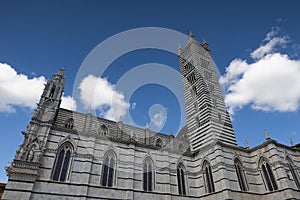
[(207, 117)]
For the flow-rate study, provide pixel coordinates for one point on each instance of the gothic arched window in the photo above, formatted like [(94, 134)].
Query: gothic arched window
[(62, 162), (293, 172), (268, 175), (103, 130), (30, 155), (158, 143), (51, 95), (108, 169), (69, 123), (181, 179), (208, 177), (240, 175), (181, 147), (148, 175)]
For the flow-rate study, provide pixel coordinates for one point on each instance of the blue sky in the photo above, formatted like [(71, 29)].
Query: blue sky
[(252, 39)]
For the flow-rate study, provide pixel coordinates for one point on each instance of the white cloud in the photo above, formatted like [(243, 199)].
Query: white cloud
[(68, 102), (233, 72), (271, 42), (17, 90), (271, 83), (98, 93)]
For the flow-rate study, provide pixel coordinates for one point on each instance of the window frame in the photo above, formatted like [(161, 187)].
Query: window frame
[(181, 180), (208, 177), (267, 175), (148, 173), (240, 173), (69, 124), (61, 168), (109, 169), (294, 172)]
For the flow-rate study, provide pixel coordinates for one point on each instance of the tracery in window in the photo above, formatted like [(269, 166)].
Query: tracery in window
[(103, 130), (294, 172), (148, 175), (240, 175), (62, 162), (108, 169), (267, 175), (158, 143), (69, 123), (208, 177), (181, 179)]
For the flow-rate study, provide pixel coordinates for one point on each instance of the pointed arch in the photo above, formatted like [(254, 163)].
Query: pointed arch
[(208, 177), (103, 130), (181, 148), (62, 162), (148, 174), (31, 150), (69, 124), (239, 169), (267, 174), (52, 91), (181, 179), (159, 143), (30, 156), (294, 173), (109, 168)]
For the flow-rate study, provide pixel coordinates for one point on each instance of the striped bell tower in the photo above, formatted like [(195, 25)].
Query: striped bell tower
[(206, 114)]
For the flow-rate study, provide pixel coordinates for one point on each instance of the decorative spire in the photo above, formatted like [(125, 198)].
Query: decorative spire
[(205, 44), (191, 34), (147, 125), (191, 37), (246, 144), (267, 135), (179, 49), (171, 133), (61, 72), (121, 119), (90, 110), (292, 142)]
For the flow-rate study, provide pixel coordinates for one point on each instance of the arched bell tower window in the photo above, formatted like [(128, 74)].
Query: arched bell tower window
[(148, 175), (267, 175), (69, 123), (240, 175), (294, 173), (208, 177), (62, 162), (181, 179), (108, 169)]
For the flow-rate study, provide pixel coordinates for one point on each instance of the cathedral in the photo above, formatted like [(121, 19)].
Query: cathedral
[(75, 156)]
